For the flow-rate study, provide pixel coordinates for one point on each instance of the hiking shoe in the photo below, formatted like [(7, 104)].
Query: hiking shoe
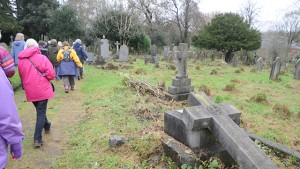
[(67, 89), (72, 87), (38, 144), (47, 127)]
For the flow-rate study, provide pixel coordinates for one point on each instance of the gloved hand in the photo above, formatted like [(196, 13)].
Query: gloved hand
[(16, 150)]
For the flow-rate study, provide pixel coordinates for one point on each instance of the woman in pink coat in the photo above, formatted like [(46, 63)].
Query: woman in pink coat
[(36, 71)]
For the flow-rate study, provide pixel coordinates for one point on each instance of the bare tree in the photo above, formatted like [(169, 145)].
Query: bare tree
[(289, 28), (126, 22), (250, 12), (181, 13)]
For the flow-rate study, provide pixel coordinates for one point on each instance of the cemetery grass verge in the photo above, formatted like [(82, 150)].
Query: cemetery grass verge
[(106, 106)]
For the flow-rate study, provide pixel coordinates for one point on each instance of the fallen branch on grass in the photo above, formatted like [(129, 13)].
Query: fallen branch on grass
[(143, 88)]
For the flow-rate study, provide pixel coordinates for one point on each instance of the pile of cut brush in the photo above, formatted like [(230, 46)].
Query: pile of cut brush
[(142, 87)]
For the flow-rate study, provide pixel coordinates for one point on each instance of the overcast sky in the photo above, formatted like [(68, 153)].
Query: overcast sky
[(270, 10)]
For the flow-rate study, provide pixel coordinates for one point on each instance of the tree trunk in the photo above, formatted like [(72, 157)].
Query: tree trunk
[(228, 57)]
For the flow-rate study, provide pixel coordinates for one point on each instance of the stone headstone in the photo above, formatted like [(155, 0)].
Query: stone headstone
[(181, 84), (189, 54), (195, 55), (206, 123), (4, 45), (153, 53), (275, 69), (99, 59), (175, 48), (166, 52), (123, 55), (104, 50), (202, 56), (153, 50), (90, 56), (234, 61), (260, 64), (297, 70)]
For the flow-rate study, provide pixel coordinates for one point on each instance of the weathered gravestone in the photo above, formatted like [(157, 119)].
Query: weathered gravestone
[(103, 51), (189, 54), (206, 123), (275, 69), (153, 53), (260, 64), (181, 84), (4, 45), (297, 70), (123, 54), (175, 48), (234, 61), (166, 52), (90, 58)]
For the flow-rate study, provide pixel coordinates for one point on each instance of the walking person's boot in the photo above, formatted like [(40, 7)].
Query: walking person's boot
[(67, 89), (38, 144), (47, 127)]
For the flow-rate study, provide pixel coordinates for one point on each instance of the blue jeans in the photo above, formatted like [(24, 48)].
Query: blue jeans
[(41, 118)]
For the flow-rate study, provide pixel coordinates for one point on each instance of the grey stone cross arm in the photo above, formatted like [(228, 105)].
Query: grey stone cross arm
[(206, 123)]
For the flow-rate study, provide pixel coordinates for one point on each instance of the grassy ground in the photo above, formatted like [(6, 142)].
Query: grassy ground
[(103, 105)]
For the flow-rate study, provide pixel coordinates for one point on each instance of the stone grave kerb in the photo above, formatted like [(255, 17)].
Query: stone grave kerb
[(206, 123)]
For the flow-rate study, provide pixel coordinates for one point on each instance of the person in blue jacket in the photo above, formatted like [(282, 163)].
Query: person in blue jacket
[(81, 53)]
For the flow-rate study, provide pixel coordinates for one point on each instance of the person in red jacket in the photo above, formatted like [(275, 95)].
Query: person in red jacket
[(36, 71)]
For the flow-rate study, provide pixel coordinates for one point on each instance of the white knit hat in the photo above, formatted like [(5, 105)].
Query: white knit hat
[(31, 43), (78, 41)]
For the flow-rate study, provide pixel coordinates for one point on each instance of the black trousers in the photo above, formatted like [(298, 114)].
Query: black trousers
[(41, 118)]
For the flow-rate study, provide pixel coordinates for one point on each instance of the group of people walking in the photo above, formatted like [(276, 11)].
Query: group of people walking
[(38, 64)]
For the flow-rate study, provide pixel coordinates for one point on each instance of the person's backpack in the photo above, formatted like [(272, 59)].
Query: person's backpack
[(66, 54)]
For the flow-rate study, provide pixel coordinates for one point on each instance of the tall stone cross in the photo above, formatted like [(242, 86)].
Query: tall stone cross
[(11, 38), (206, 123), (181, 56), (117, 44)]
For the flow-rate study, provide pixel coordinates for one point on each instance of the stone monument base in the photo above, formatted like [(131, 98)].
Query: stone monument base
[(180, 89), (181, 154)]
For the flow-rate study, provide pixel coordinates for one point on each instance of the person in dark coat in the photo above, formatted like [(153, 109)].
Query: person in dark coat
[(52, 53), (43, 48), (81, 53)]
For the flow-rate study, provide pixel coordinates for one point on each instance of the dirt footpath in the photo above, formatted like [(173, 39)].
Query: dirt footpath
[(64, 110)]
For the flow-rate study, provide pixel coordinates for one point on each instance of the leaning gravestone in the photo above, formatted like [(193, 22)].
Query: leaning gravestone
[(123, 55), (297, 70), (166, 52), (181, 84), (260, 64), (206, 124), (234, 61), (275, 69)]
